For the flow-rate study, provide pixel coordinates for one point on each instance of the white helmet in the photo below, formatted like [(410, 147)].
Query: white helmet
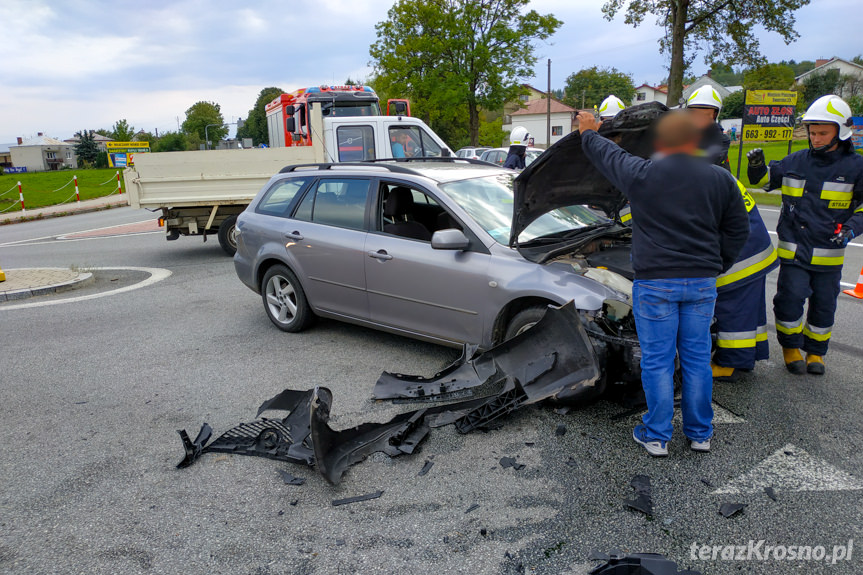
[(610, 107), (705, 97), (519, 136), (830, 109)]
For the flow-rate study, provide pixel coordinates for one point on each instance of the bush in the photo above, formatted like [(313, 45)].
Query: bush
[(101, 160)]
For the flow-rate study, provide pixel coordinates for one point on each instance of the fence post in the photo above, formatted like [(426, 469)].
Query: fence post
[(21, 197), (119, 187), (77, 196)]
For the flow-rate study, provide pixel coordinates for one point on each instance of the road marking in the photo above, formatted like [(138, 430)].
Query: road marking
[(761, 209), (156, 275), (792, 469), (56, 237)]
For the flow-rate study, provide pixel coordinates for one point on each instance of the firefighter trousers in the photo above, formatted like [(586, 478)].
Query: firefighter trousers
[(741, 325), (795, 285)]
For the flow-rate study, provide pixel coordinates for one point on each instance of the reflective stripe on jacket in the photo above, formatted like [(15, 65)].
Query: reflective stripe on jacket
[(818, 193), (758, 256)]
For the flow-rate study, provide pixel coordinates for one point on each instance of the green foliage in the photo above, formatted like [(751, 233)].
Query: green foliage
[(171, 142), (799, 67), (121, 131), (858, 59), (856, 105), (769, 77), (101, 161), (104, 132), (732, 106), (726, 75), (818, 84), (729, 27), (590, 86), (255, 126), (453, 57), (203, 114), (491, 133), (86, 149)]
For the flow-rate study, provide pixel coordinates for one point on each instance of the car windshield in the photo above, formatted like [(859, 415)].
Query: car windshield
[(531, 155), (489, 201)]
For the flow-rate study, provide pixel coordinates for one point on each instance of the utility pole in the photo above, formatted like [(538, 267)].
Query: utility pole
[(548, 109)]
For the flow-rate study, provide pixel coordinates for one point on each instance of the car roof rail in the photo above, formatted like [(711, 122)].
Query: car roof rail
[(331, 165), (445, 159)]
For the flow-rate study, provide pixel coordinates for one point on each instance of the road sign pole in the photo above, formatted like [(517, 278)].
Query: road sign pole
[(740, 147)]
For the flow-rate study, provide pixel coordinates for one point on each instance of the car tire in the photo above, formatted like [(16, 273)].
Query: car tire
[(228, 235), (285, 301), (524, 320)]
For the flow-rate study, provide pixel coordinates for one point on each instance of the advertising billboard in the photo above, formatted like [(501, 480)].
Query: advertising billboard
[(122, 154)]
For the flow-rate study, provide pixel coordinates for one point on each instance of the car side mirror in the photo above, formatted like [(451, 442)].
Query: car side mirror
[(445, 153), (451, 239), (290, 124)]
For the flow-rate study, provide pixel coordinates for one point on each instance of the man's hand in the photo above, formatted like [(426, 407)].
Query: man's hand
[(842, 237), (587, 122), (755, 157)]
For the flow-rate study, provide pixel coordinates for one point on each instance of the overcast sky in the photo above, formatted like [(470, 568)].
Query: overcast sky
[(84, 64)]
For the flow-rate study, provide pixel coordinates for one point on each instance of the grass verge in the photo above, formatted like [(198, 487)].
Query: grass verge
[(51, 188)]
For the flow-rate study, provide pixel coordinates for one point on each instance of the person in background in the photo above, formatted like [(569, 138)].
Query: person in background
[(689, 224), (733, 133), (518, 139), (610, 107), (822, 210), (704, 105)]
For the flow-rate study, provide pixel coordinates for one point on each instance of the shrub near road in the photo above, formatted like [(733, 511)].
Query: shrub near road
[(51, 188)]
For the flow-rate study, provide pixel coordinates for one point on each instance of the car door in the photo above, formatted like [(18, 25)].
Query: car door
[(435, 293), (324, 241)]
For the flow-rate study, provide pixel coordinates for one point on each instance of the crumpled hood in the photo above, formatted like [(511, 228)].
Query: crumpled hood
[(563, 176)]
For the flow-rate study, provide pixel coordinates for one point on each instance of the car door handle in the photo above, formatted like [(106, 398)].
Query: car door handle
[(380, 255), (296, 236)]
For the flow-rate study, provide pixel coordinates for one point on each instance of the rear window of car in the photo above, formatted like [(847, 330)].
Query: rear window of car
[(337, 202), (277, 200)]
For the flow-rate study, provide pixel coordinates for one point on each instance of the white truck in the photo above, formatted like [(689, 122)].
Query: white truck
[(202, 192)]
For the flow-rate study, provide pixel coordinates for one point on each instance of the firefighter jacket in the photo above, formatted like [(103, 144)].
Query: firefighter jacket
[(819, 191), (758, 256)]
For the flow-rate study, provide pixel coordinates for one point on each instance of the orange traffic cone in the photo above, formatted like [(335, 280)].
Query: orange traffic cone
[(858, 289)]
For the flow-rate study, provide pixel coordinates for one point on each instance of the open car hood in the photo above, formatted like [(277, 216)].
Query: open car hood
[(563, 176)]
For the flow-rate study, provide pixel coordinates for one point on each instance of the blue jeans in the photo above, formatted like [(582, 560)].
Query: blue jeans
[(673, 316)]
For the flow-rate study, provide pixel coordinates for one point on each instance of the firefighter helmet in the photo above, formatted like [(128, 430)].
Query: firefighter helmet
[(610, 107), (830, 109), (519, 136), (705, 97)]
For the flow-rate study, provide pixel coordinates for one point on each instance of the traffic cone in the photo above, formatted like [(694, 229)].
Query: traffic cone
[(2, 275), (858, 289)]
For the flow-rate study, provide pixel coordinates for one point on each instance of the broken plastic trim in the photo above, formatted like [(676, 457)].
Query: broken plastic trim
[(617, 563), (554, 359)]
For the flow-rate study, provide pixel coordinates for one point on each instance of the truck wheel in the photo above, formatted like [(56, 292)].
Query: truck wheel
[(285, 301), (524, 320), (228, 235)]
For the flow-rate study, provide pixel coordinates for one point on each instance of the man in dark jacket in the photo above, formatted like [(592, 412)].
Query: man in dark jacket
[(689, 223), (519, 139)]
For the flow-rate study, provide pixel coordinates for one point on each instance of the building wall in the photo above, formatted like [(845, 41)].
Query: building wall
[(35, 158), (536, 125), (650, 95)]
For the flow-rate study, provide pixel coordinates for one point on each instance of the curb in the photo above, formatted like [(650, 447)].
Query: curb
[(82, 280), (49, 215)]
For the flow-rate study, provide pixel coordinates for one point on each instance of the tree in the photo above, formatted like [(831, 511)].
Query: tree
[(86, 149), (255, 126), (727, 27), (201, 115), (491, 133), (455, 56), (590, 86), (122, 131), (726, 75), (858, 59), (769, 77), (171, 142), (819, 84), (732, 106)]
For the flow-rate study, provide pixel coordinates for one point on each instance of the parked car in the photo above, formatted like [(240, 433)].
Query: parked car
[(498, 155), (471, 153)]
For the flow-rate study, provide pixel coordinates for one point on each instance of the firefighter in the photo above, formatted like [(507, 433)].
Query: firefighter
[(610, 107), (518, 140), (704, 105), (741, 308), (822, 210)]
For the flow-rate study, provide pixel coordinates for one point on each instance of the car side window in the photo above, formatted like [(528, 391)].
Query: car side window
[(356, 143), (337, 202), (409, 212), (278, 199), (412, 142)]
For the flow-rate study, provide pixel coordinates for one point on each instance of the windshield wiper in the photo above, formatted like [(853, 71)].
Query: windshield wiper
[(558, 236)]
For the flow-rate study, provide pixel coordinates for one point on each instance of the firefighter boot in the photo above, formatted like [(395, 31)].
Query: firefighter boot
[(794, 360), (815, 364), (727, 374)]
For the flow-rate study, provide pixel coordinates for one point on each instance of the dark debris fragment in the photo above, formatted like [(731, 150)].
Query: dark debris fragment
[(426, 468), (473, 507), (506, 462), (770, 493), (291, 479), (572, 462), (357, 499), (561, 430), (642, 501), (706, 482), (730, 509), (618, 563)]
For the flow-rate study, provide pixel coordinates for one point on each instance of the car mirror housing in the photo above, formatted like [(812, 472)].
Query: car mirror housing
[(451, 239)]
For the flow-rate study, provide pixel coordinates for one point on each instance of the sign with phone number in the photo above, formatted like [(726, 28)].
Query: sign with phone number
[(766, 133)]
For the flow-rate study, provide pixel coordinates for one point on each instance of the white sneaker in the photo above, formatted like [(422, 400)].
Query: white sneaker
[(655, 447), (702, 446)]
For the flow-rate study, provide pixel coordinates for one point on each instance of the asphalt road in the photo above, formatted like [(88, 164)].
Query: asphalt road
[(93, 391)]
